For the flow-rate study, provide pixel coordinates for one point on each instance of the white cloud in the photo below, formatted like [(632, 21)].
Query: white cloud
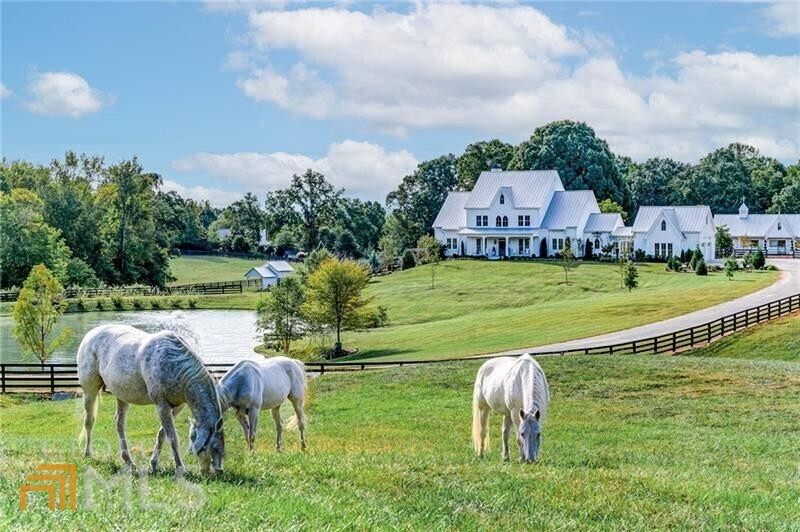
[(503, 70), (215, 196), (365, 170), (782, 19), (63, 94), (5, 92)]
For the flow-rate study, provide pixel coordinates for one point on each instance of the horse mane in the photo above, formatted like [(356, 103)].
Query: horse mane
[(188, 365), (535, 385)]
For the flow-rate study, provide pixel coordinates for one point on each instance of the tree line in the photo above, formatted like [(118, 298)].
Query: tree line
[(90, 222)]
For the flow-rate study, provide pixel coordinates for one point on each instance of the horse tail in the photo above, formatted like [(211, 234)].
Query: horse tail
[(480, 437), (299, 380)]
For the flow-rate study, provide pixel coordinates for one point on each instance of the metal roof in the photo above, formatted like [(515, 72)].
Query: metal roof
[(531, 188), (622, 231), (263, 271), (686, 219), (760, 224), (567, 208), (452, 214), (603, 222), (279, 266)]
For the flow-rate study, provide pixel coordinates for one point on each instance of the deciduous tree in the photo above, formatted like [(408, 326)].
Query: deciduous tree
[(280, 315)]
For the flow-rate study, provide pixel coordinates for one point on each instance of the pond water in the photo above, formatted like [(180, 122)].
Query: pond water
[(218, 335)]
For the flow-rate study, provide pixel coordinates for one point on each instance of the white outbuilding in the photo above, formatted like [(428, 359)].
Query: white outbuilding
[(776, 234), (270, 272), (666, 231)]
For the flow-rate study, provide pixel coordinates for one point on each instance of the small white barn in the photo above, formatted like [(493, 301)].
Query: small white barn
[(270, 272), (666, 231), (776, 234)]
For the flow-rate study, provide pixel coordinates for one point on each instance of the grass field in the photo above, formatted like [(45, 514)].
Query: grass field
[(776, 340), (208, 269), (630, 443), (482, 307)]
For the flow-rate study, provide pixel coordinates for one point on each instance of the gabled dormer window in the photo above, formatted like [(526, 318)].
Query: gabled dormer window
[(663, 225), (497, 222), (502, 199), (779, 226)]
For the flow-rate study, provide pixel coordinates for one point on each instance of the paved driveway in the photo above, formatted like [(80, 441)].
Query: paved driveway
[(787, 285)]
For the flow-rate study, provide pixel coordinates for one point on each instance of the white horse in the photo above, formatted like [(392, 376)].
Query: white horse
[(250, 387), (141, 368), (516, 388)]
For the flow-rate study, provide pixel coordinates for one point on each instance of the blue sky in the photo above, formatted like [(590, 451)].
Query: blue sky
[(222, 98)]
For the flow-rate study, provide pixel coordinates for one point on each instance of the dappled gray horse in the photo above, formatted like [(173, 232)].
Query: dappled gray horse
[(141, 368), (250, 387)]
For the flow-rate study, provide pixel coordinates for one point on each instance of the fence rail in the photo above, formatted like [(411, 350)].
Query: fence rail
[(64, 377), (222, 287)]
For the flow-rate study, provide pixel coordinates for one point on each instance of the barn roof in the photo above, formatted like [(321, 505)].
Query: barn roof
[(279, 266), (760, 225), (686, 219), (262, 271), (531, 188)]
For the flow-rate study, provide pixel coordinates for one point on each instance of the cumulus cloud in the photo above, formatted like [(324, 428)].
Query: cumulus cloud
[(365, 170), (63, 94), (215, 196), (782, 19), (5, 92), (503, 70)]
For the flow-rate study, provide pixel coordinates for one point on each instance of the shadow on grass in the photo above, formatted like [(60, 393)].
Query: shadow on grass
[(374, 355)]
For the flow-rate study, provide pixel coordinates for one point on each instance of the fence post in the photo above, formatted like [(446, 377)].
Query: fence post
[(674, 341), (655, 345), (709, 331), (3, 376), (634, 347), (52, 379), (691, 336)]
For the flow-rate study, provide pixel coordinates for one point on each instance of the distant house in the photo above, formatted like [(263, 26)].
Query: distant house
[(665, 231), (776, 234), (270, 272), (520, 214)]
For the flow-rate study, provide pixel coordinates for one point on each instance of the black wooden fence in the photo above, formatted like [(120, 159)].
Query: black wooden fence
[(64, 377), (222, 287)]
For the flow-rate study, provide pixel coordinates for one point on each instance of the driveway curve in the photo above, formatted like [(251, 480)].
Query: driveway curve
[(788, 284)]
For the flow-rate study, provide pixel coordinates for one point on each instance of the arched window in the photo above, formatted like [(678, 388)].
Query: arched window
[(663, 225), (505, 221), (597, 243), (497, 222), (502, 199)]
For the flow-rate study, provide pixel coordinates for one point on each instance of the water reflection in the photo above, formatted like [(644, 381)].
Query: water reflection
[(218, 335)]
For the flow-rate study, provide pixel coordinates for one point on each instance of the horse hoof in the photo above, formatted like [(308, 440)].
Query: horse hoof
[(180, 473)]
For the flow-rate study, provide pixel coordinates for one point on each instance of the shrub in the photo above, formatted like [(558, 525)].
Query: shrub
[(759, 260), (192, 302), (696, 256), (138, 303), (80, 304), (378, 318), (117, 301), (639, 255), (155, 304), (748, 261), (409, 261), (700, 267), (175, 302), (99, 305)]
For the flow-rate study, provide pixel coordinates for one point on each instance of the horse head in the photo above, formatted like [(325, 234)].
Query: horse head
[(208, 443), (529, 435)]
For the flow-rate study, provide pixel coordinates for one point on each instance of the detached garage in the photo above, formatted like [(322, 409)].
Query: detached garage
[(270, 273)]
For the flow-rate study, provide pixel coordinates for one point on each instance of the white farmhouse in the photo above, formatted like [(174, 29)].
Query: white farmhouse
[(664, 231), (520, 214), (270, 272), (776, 234)]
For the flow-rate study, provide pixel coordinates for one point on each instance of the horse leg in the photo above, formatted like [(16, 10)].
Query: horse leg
[(297, 404), (165, 413), (485, 413), (160, 442), (90, 407), (241, 416), (506, 432), (120, 418), (276, 415), (255, 412)]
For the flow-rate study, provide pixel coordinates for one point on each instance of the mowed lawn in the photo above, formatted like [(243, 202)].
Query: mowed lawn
[(482, 307), (775, 340), (208, 269), (630, 443)]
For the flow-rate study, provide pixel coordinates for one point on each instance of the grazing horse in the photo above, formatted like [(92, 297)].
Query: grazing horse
[(141, 368), (516, 388), (250, 387)]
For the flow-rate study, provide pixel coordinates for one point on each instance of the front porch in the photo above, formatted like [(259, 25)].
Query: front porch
[(502, 246)]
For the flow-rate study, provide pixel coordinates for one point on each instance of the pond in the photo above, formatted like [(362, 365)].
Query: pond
[(222, 336)]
